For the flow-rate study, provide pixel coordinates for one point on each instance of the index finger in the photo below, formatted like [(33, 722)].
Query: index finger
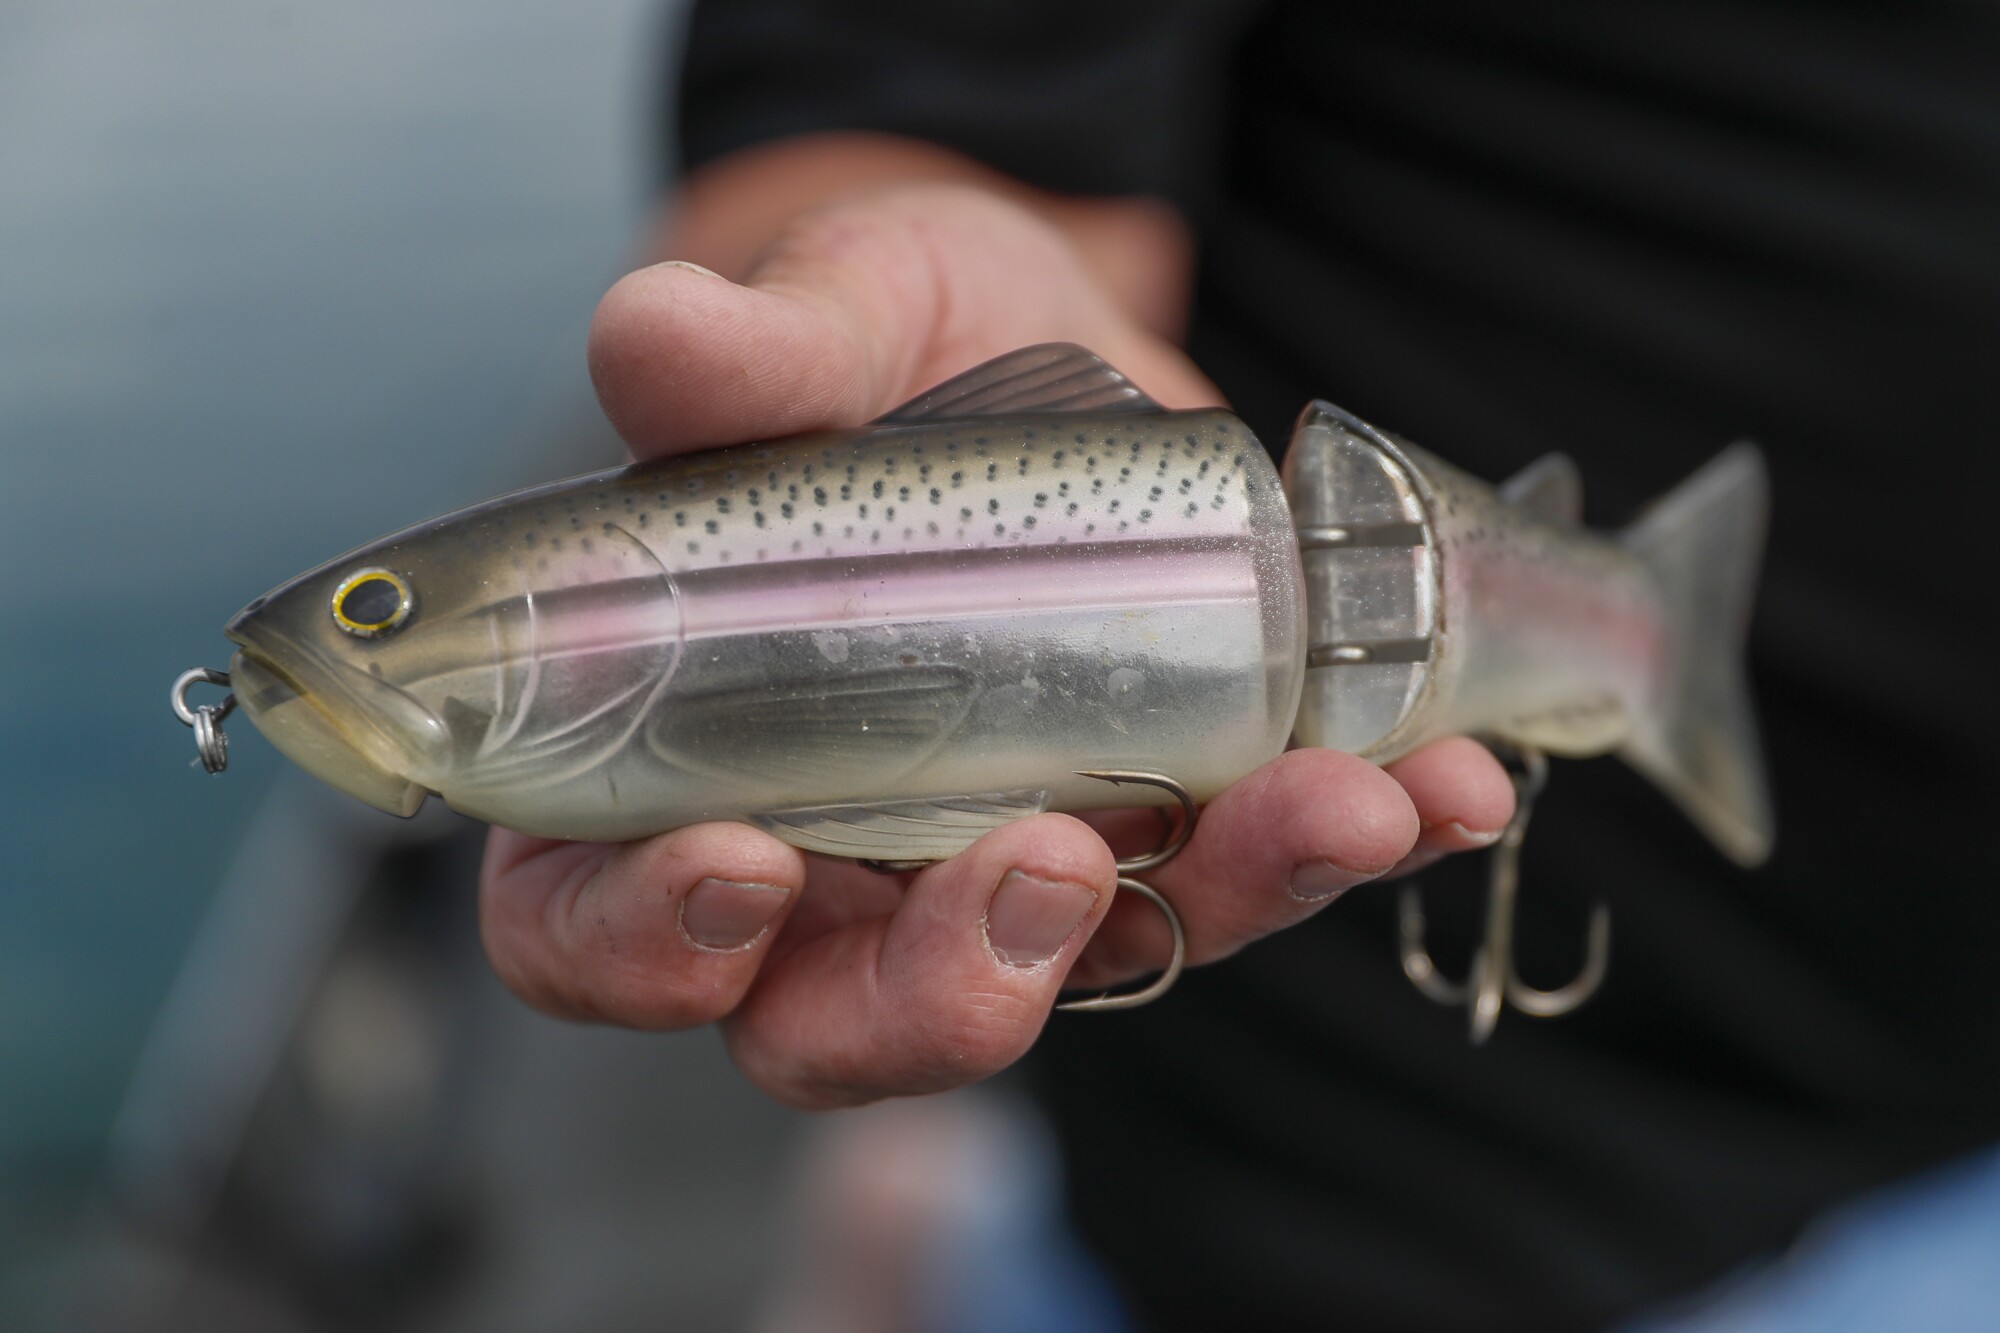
[(667, 932)]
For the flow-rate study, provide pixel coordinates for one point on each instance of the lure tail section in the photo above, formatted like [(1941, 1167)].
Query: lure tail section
[(1702, 543)]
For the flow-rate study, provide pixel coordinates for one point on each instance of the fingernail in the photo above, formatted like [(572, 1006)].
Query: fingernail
[(1317, 881), (1456, 837), (721, 915), (692, 267), (1030, 919)]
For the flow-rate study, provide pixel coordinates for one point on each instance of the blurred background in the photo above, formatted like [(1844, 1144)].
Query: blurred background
[(275, 278)]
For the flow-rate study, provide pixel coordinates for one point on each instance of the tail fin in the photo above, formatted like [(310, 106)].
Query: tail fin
[(1703, 542)]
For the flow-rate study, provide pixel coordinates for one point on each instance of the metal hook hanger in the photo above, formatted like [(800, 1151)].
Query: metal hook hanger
[(1492, 983)]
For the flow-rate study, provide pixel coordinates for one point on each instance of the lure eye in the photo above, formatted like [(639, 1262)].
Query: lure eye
[(372, 602)]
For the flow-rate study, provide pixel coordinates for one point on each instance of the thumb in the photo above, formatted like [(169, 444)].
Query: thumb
[(853, 309), (685, 359)]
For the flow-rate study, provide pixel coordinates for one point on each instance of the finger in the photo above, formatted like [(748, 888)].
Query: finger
[(943, 277), (664, 933), (1267, 853), (684, 359), (1295, 835), (951, 988), (854, 309), (1463, 798)]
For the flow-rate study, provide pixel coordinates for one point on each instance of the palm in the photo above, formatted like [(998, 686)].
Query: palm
[(854, 985)]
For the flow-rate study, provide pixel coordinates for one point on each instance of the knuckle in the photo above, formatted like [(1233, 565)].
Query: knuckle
[(781, 1075), (530, 985), (521, 966), (616, 972), (976, 1035), (656, 998)]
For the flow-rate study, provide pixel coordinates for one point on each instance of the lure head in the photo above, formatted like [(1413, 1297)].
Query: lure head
[(488, 655), (337, 667)]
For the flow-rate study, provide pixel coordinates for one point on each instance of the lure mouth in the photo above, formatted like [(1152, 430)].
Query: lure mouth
[(316, 728)]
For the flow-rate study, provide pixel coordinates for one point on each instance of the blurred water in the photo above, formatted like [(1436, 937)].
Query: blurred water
[(273, 278)]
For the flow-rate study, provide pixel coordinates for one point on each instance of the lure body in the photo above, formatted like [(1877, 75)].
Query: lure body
[(885, 642), (877, 643)]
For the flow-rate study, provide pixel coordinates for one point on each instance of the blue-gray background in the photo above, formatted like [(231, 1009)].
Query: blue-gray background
[(275, 278)]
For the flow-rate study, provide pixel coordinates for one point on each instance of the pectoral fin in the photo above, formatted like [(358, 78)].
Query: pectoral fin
[(867, 727), (468, 724), (1581, 728)]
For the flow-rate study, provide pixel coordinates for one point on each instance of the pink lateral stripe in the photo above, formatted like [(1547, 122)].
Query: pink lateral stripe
[(963, 585)]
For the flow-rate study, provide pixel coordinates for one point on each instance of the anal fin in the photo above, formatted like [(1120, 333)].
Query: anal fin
[(929, 829), (1580, 728)]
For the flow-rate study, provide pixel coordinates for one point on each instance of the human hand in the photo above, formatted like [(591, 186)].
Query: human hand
[(835, 985)]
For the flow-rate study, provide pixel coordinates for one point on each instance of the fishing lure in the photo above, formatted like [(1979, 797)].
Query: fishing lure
[(1031, 588)]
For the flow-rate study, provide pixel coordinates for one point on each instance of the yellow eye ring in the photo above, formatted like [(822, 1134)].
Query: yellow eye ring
[(371, 602)]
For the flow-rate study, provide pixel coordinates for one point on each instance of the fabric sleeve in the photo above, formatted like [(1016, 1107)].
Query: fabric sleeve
[(1105, 97)]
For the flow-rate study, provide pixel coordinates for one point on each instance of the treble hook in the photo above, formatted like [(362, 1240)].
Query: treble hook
[(1493, 983), (1130, 866), (1177, 836)]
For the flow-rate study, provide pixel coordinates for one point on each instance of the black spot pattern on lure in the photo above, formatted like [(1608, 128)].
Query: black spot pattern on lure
[(1150, 462)]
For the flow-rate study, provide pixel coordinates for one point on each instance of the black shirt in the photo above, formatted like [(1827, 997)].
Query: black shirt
[(1634, 233)]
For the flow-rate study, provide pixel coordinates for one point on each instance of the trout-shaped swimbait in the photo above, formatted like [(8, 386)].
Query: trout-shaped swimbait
[(885, 642)]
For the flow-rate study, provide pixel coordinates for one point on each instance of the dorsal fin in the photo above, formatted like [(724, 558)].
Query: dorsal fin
[(1048, 377), (1550, 489)]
